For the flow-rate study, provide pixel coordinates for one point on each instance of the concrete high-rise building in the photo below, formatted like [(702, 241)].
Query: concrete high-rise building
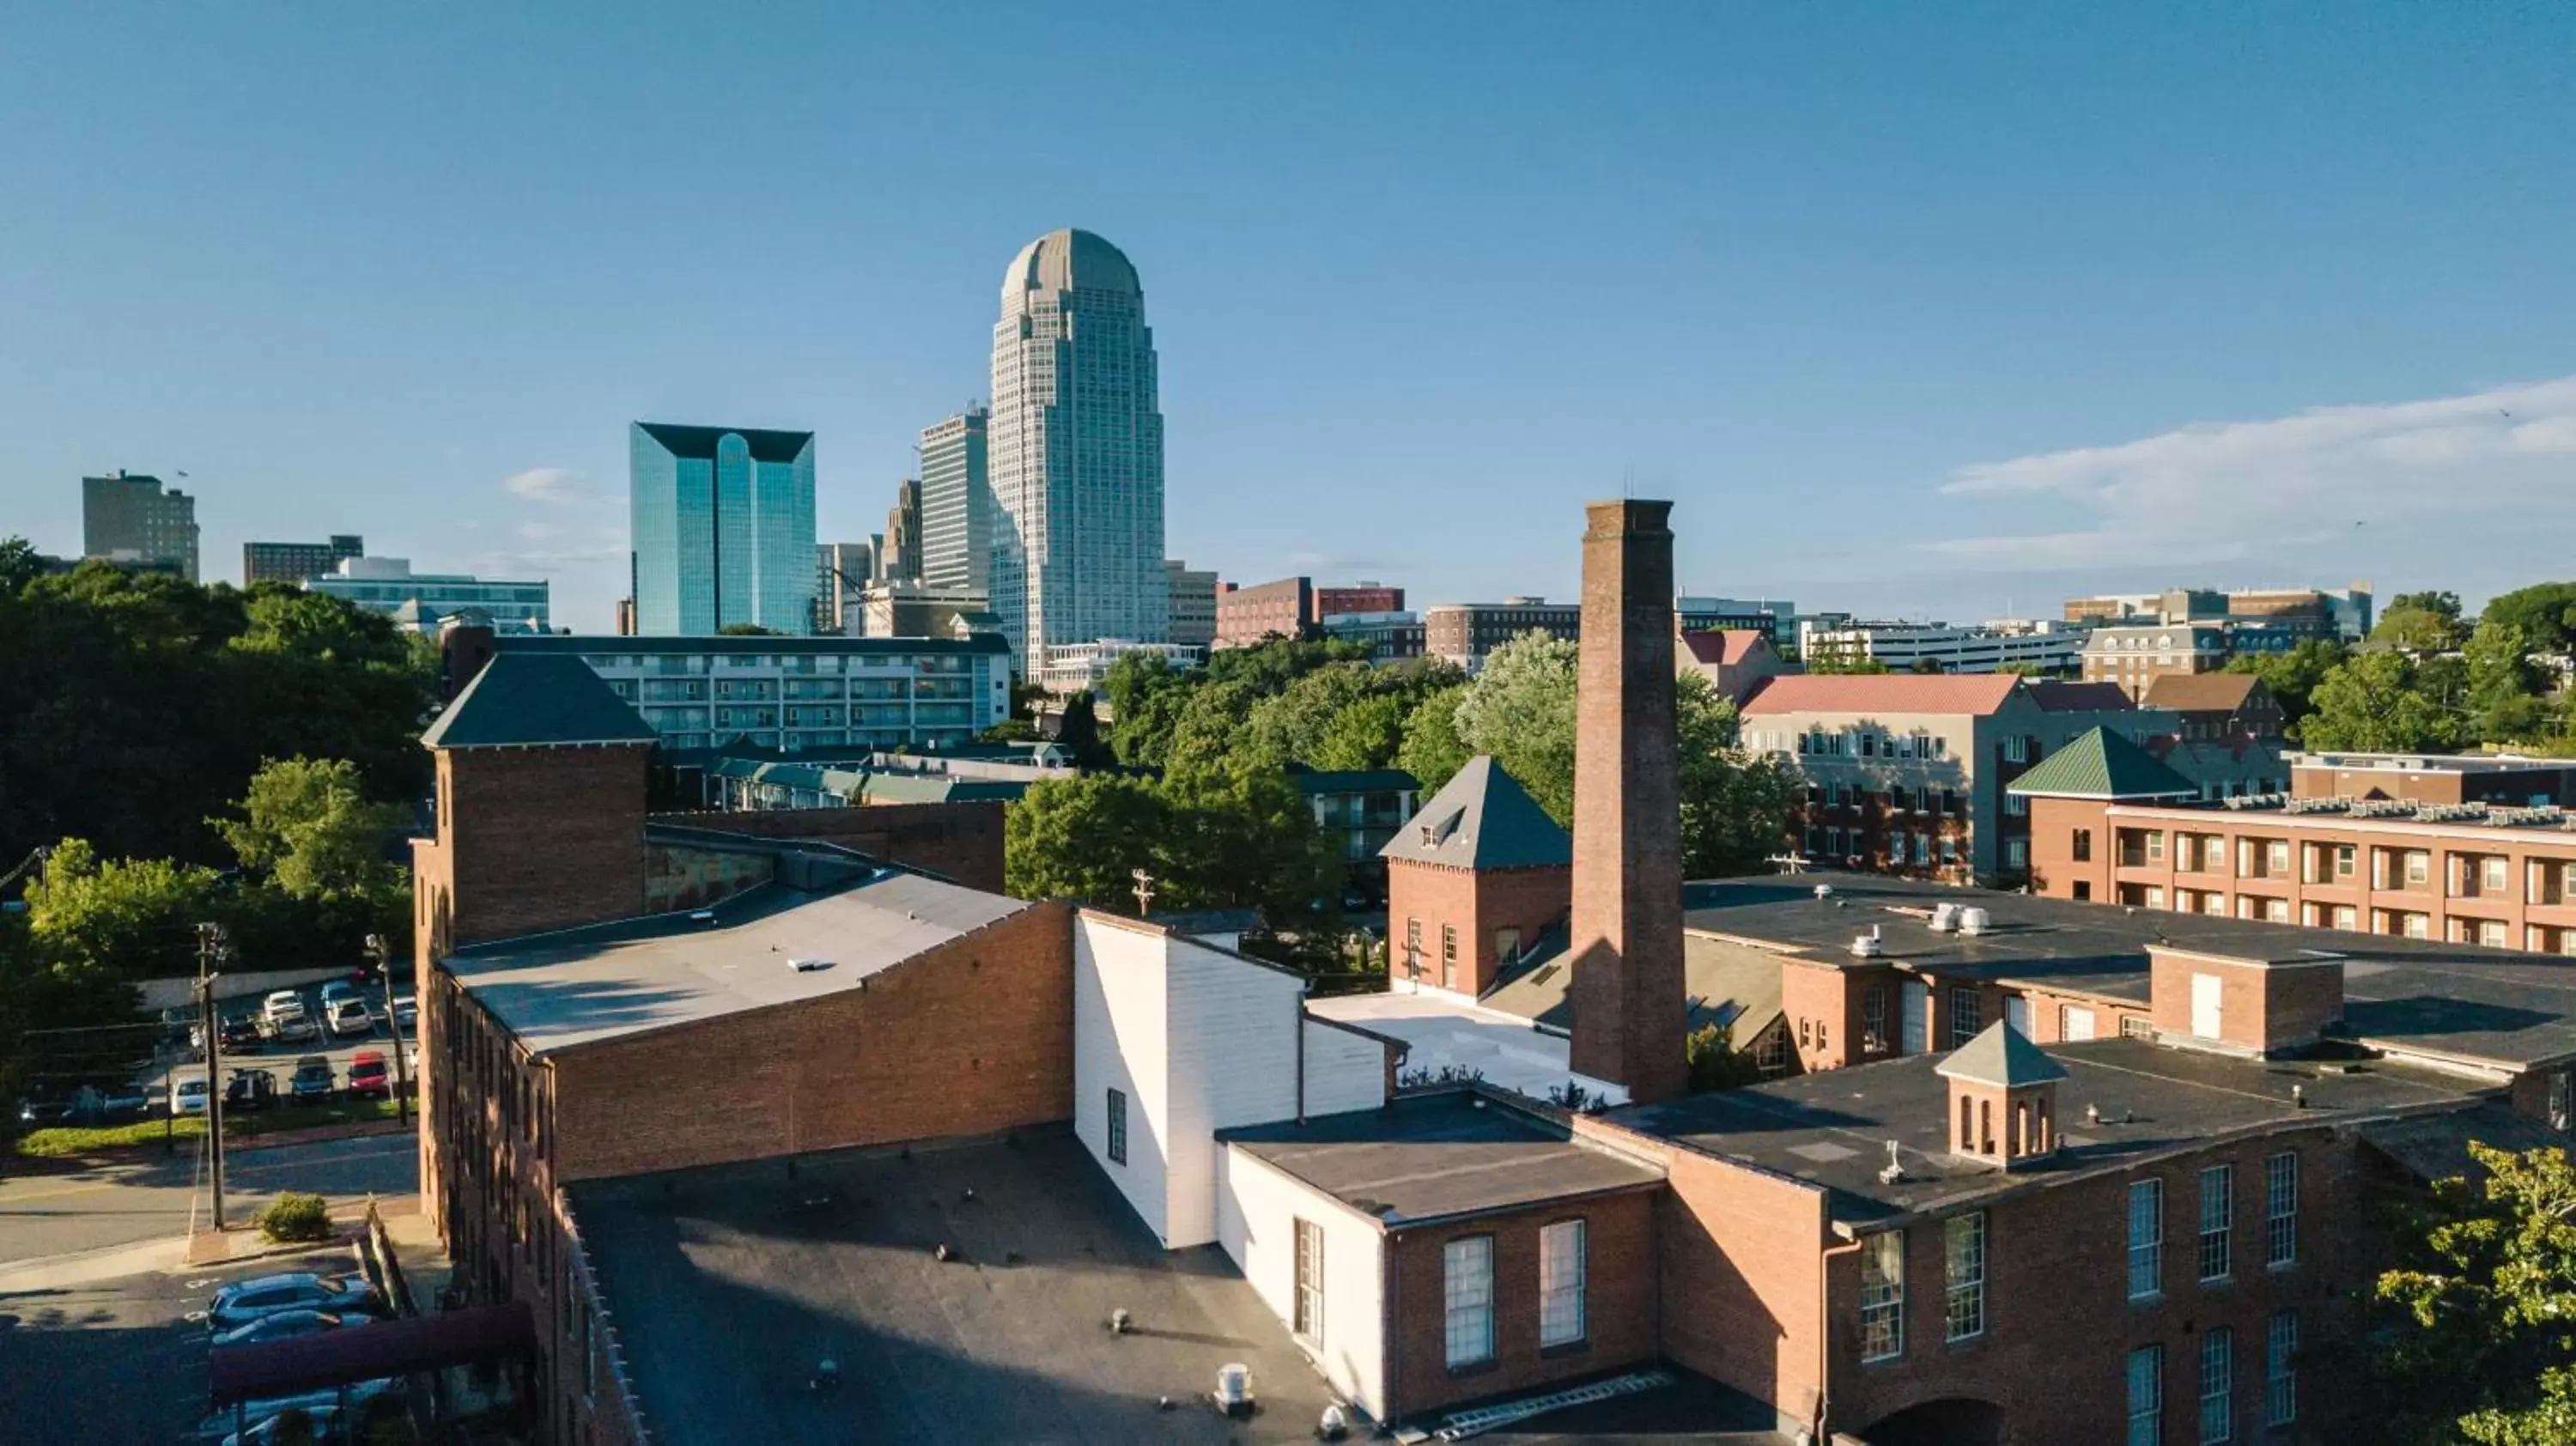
[(903, 534), (297, 561), (127, 517), (1077, 452), (1193, 605), (957, 502), (842, 572), (722, 527)]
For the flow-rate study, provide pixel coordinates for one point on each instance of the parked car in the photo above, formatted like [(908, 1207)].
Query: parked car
[(244, 1301), (347, 1017), (337, 990), (188, 1095), (283, 1001), (286, 1325), (44, 1109), (239, 1033), (370, 1078), (256, 1421), (250, 1089), (296, 1027), (313, 1079), (406, 1011)]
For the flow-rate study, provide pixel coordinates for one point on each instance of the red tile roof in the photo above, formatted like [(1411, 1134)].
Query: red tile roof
[(1978, 693), (1724, 647)]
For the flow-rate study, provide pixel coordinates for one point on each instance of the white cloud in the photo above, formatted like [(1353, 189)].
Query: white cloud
[(2214, 492), (559, 486)]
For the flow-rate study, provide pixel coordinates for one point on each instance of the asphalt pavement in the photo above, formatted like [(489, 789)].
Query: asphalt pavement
[(103, 1206), (113, 1360), (280, 1058)]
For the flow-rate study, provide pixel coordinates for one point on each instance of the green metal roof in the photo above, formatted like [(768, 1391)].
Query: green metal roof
[(2000, 1057), (2102, 764), (1482, 819), (536, 700)]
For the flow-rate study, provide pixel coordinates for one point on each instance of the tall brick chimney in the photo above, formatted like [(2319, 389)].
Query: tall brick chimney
[(1630, 999)]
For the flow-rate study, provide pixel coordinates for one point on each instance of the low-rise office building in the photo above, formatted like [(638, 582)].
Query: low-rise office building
[(1390, 637), (1463, 633), (426, 599), (1938, 647), (1081, 667), (2135, 656), (1193, 608), (297, 562), (2502, 779)]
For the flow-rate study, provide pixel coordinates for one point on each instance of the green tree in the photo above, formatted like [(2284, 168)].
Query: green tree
[(1243, 835), (1367, 734), (1432, 751), (746, 630), (1289, 726), (1735, 805), (1211, 735), (2546, 613), (2380, 701), (2424, 622), (20, 564), (1083, 838), (1520, 709), (119, 918), (1147, 696), (1271, 666), (1079, 732), (306, 824), (2482, 1345), (2503, 686), (2292, 676)]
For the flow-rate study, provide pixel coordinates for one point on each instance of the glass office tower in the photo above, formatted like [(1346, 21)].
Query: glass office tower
[(957, 504), (722, 526)]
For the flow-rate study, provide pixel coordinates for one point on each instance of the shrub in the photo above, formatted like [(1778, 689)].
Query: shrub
[(296, 1217)]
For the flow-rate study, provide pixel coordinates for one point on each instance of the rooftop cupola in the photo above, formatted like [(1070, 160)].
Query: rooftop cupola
[(2003, 1098)]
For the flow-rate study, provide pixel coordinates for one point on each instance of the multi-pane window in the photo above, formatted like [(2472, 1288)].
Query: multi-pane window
[(1967, 1015), (1560, 1284), (1448, 954), (1963, 1272), (1873, 1017), (2281, 1369), (1882, 1296), (1467, 1292), (2217, 1386), (1118, 1127), (1308, 1320), (2146, 1238), (2217, 1208), (2147, 1396), (2281, 1210)]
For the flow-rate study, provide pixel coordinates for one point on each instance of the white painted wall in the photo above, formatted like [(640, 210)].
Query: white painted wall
[(1119, 1028), (1257, 1211), (1233, 1054), (1344, 1071)]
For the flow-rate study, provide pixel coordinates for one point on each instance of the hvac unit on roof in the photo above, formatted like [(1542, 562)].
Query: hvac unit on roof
[(1869, 945), (1945, 918), (1973, 920)]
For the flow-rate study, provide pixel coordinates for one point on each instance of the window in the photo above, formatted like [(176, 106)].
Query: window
[(1448, 955), (2147, 1396), (1963, 1270), (2344, 861), (2281, 1369), (1882, 1296), (2419, 866), (2217, 1202), (1873, 1017), (1467, 1290), (2146, 1238), (2491, 874), (1560, 1284), (2016, 749), (1308, 1317), (1118, 1127), (2074, 1023), (2084, 845), (2558, 1101), (2281, 1210), (1413, 947), (2217, 1386), (2017, 853), (1771, 1051), (2016, 804), (1967, 1015), (2155, 845), (2136, 1026)]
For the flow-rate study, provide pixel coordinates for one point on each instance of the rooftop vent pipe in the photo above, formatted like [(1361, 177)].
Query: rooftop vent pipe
[(1234, 1389)]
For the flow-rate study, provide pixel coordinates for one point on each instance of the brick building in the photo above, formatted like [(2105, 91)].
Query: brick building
[(1474, 882), (2215, 707), (2492, 778), (1905, 773), (2134, 656), (1464, 633), (1736, 661), (1293, 607), (2112, 827)]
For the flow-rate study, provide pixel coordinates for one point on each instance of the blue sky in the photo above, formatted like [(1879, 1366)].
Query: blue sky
[(1935, 310)]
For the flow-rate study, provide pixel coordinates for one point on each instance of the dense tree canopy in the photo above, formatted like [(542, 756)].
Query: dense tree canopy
[(140, 704), (2381, 700), (2546, 613), (2292, 676), (2424, 622), (2482, 1344)]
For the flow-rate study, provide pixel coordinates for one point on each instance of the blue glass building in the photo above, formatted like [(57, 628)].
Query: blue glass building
[(722, 529)]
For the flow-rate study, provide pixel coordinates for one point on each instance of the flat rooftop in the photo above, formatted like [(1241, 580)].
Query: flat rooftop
[(1439, 1156), (1833, 1127), (729, 1283), (1447, 1032), (2450, 1001), (579, 986)]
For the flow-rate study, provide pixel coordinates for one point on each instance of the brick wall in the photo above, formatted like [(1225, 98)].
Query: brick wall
[(1476, 902), (531, 839), (960, 842), (973, 1037), (1619, 1289)]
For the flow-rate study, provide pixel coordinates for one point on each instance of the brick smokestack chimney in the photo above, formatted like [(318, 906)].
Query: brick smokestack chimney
[(1630, 998)]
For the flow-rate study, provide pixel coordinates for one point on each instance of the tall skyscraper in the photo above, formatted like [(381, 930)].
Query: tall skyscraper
[(297, 561), (842, 572), (957, 502), (1077, 453), (722, 529), (128, 518), (903, 534)]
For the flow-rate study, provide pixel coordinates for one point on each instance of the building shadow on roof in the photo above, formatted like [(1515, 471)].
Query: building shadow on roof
[(2421, 1015)]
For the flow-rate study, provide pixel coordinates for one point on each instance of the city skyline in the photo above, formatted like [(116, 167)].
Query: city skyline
[(2044, 335)]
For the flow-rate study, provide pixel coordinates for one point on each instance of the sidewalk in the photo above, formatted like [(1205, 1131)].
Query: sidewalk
[(403, 1222)]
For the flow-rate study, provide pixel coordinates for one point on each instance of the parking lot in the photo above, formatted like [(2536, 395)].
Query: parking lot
[(280, 1056)]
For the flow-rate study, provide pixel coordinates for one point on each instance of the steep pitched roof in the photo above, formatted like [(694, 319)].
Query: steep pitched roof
[(2000, 1057), (2202, 692), (2102, 764), (1977, 693), (1482, 819), (535, 700), (1724, 647)]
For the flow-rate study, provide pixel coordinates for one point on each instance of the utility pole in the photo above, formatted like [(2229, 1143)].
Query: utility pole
[(1144, 892), (383, 950), (214, 946)]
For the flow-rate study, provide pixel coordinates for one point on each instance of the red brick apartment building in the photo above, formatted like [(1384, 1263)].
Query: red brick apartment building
[(1293, 607), (2120, 830), (2492, 778)]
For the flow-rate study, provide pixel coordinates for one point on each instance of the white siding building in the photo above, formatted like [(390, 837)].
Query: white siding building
[(1076, 453), (1258, 1212)]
